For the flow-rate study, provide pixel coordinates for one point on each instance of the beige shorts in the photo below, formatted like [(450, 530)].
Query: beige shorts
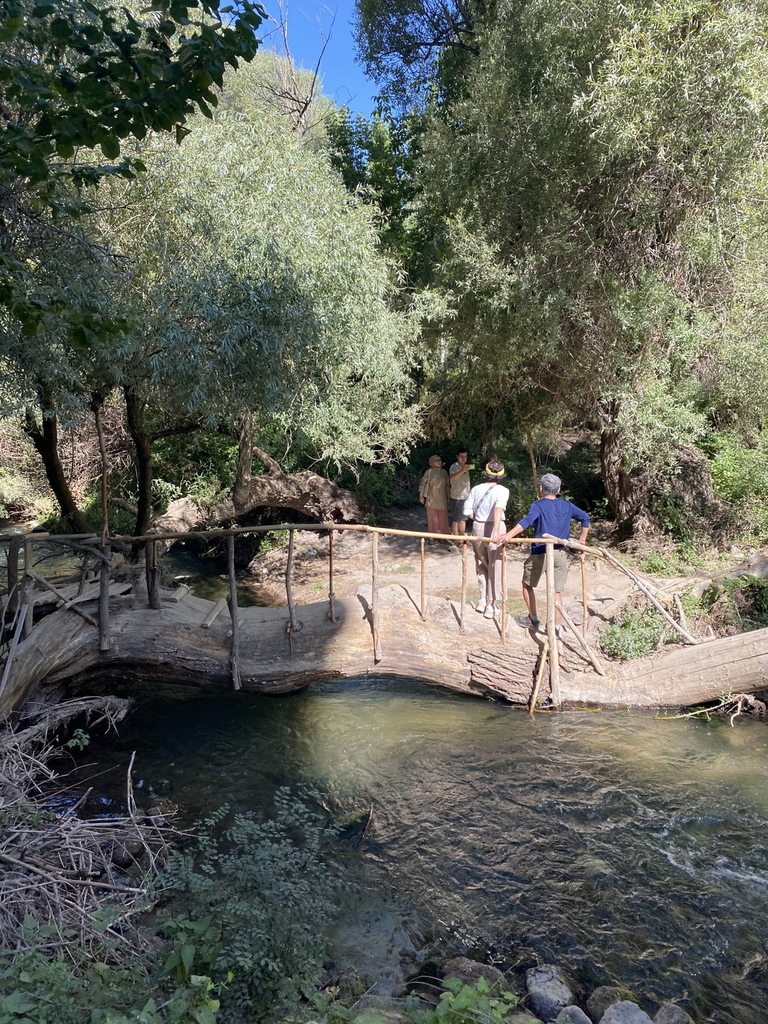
[(534, 566)]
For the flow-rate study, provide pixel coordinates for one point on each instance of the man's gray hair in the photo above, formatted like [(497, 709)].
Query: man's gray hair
[(550, 483)]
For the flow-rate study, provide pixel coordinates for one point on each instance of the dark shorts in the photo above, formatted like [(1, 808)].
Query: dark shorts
[(534, 566), (456, 510)]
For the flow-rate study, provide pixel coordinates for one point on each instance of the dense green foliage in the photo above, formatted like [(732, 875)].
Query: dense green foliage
[(239, 935), (76, 77), (592, 180)]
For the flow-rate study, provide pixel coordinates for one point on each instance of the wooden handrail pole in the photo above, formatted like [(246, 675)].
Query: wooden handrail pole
[(463, 585), (234, 651), (554, 650), (331, 596), (104, 639), (293, 626), (29, 586), (14, 550), (503, 594), (539, 674), (375, 596), (584, 603), (153, 581), (423, 604)]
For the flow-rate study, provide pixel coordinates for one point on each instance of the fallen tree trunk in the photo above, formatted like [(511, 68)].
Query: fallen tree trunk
[(313, 496), (171, 644)]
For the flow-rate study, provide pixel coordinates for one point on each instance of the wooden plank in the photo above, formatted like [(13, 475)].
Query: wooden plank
[(213, 613)]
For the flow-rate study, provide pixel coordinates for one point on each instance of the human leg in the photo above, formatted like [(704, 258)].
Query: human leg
[(481, 565), (433, 522), (442, 520)]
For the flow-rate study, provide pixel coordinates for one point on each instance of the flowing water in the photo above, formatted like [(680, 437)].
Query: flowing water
[(624, 848)]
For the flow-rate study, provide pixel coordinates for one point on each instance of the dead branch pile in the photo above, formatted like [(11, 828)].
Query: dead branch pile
[(70, 879)]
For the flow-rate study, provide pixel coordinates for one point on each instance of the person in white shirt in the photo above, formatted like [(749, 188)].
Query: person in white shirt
[(485, 506)]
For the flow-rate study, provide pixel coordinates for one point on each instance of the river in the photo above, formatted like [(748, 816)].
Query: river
[(625, 848)]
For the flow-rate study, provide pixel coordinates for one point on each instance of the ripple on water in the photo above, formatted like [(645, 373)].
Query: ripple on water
[(625, 847)]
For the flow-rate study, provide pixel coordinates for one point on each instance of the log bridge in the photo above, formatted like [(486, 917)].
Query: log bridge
[(104, 623)]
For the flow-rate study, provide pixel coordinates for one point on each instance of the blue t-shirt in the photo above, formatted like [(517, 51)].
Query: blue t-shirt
[(552, 515)]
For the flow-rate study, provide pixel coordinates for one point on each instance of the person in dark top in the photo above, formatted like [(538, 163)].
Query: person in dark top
[(551, 515)]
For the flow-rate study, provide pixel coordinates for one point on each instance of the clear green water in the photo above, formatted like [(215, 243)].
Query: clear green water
[(627, 849)]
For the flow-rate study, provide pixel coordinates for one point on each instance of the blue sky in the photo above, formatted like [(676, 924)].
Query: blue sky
[(309, 23)]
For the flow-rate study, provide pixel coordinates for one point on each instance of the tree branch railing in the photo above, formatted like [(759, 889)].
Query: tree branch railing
[(21, 596)]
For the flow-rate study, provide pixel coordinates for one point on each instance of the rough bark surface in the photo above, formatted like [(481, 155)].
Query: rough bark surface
[(171, 644)]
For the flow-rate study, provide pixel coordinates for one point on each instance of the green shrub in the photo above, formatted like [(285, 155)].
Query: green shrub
[(466, 1004), (252, 906), (633, 634)]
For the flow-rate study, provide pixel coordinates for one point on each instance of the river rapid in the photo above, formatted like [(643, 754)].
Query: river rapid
[(624, 848)]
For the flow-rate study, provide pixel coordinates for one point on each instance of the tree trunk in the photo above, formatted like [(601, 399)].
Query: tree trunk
[(244, 471), (142, 442), (626, 491), (45, 438)]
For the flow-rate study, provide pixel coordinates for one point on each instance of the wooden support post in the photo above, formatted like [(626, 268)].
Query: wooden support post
[(423, 603), (554, 650), (12, 651), (375, 597), (584, 603), (331, 595), (234, 651), (463, 585), (503, 593), (539, 674), (153, 576), (580, 639), (14, 550), (293, 626), (104, 641), (29, 586)]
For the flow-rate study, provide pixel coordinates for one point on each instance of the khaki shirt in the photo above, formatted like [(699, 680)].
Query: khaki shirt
[(434, 488)]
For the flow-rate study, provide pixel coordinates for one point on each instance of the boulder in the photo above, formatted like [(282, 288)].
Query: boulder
[(671, 1013), (548, 991), (602, 998), (470, 971), (625, 1012), (572, 1015)]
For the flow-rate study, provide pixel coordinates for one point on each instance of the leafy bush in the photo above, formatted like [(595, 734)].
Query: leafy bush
[(467, 1004), (252, 905), (633, 634)]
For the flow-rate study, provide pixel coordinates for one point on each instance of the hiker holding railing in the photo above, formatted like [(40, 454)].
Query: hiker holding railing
[(549, 515)]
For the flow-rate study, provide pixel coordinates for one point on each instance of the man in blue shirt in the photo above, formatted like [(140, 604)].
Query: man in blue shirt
[(551, 515)]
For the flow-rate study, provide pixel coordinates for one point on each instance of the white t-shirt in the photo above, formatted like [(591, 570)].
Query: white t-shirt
[(483, 499)]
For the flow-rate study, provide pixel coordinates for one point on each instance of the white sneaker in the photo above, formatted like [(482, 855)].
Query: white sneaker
[(491, 611), (480, 607)]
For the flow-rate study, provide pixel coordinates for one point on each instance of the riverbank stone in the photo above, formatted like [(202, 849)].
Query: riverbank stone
[(548, 991), (603, 997), (469, 972), (671, 1013), (625, 1012), (572, 1015)]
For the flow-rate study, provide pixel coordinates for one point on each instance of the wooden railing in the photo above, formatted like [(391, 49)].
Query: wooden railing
[(18, 607)]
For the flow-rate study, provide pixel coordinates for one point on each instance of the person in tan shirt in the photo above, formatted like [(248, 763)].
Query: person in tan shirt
[(434, 491)]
